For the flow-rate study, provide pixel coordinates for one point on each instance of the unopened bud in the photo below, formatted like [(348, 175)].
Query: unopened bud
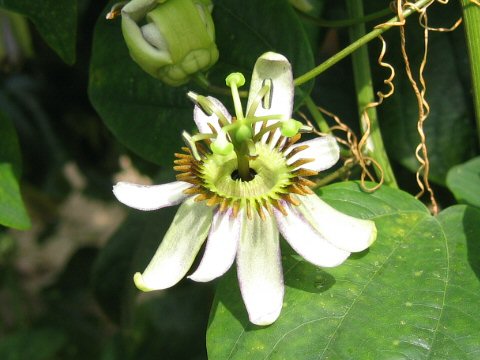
[(177, 41)]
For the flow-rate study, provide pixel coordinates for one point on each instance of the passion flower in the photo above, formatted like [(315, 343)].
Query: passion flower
[(241, 181)]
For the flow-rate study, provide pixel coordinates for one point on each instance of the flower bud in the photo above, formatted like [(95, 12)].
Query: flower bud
[(176, 40)]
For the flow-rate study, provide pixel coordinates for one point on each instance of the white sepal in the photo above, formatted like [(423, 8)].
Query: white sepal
[(343, 231), (150, 197), (221, 247), (276, 70), (202, 119), (178, 249), (259, 269), (306, 241), (324, 150)]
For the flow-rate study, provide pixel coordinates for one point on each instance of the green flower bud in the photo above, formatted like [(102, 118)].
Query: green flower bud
[(176, 41), (290, 127)]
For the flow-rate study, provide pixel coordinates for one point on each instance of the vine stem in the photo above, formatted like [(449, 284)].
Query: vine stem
[(471, 16), (365, 96), (309, 75)]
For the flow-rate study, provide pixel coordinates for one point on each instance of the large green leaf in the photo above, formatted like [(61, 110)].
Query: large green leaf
[(148, 116), (402, 299), (56, 21), (464, 181), (450, 140), (35, 344), (12, 210)]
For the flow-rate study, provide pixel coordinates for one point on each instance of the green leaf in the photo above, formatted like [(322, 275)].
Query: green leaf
[(458, 334), (34, 344), (464, 181), (12, 210), (56, 21), (148, 116), (402, 298), (450, 140)]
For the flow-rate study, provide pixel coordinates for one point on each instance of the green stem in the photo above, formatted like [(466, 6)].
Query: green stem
[(344, 170), (365, 96), (471, 17), (346, 22), (317, 115), (356, 45)]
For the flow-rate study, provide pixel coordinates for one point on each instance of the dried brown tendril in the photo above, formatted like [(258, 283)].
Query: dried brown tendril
[(351, 141), (421, 152)]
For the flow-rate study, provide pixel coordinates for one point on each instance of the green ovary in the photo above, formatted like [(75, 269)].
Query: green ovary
[(271, 179)]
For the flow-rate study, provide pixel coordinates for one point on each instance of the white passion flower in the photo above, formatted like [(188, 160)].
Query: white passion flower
[(241, 181)]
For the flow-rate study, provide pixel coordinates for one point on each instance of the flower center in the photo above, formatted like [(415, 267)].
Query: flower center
[(216, 180)]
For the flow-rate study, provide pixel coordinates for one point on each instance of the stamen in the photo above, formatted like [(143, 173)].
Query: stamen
[(296, 150), (279, 207), (261, 213), (212, 200), (193, 190), (234, 81), (292, 140), (290, 199), (182, 156), (301, 162), (235, 207), (305, 172), (306, 182), (182, 168), (201, 197), (249, 210), (279, 142), (182, 162), (223, 205)]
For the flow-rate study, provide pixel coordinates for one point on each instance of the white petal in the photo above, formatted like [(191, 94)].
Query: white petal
[(323, 149), (178, 248), (343, 231), (259, 269), (151, 197), (202, 120), (274, 67), (306, 241), (221, 247)]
